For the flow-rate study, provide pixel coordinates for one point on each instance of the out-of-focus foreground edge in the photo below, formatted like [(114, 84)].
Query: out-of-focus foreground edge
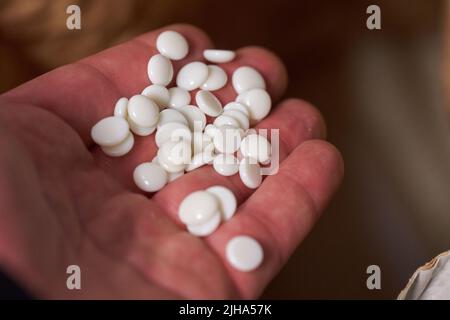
[(422, 277)]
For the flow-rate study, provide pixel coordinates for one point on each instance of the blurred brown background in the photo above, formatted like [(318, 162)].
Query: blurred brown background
[(382, 93)]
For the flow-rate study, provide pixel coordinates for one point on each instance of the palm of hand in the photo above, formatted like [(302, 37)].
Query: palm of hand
[(63, 202)]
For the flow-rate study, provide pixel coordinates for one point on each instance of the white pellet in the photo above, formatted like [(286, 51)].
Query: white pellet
[(217, 79), (250, 173), (142, 111), (219, 56), (110, 131), (200, 141), (158, 94), (226, 120), (226, 164), (120, 109), (192, 75), (240, 117), (211, 130), (173, 156), (244, 253), (209, 152), (236, 106), (172, 45), (228, 139), (196, 162), (150, 177), (257, 147), (120, 149), (258, 103), (206, 228), (200, 159), (172, 176), (171, 115), (160, 70), (247, 78), (227, 201), (198, 207), (173, 131), (208, 103), (182, 153), (179, 97), (195, 117), (141, 131)]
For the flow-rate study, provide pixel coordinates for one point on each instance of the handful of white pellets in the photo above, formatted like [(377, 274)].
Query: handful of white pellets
[(187, 142)]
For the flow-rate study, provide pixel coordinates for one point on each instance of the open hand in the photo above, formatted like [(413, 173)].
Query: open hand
[(63, 202)]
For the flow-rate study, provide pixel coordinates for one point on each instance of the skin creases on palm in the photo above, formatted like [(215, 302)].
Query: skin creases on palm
[(63, 202)]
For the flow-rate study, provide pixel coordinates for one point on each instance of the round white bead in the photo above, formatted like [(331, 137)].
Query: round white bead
[(141, 131), (219, 56), (192, 75), (160, 70), (206, 228), (178, 97), (171, 115), (247, 78), (110, 131), (181, 153), (208, 103), (194, 116), (225, 120), (199, 160), (198, 208), (200, 141), (211, 130), (258, 103), (172, 131), (244, 253), (120, 109), (236, 106), (227, 201), (226, 164), (217, 79), (158, 94), (250, 173), (172, 45), (228, 139), (209, 153), (171, 175), (257, 147), (120, 149), (142, 111), (173, 156), (150, 177), (240, 117)]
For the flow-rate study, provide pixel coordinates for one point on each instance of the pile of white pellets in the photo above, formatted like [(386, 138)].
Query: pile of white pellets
[(189, 136)]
